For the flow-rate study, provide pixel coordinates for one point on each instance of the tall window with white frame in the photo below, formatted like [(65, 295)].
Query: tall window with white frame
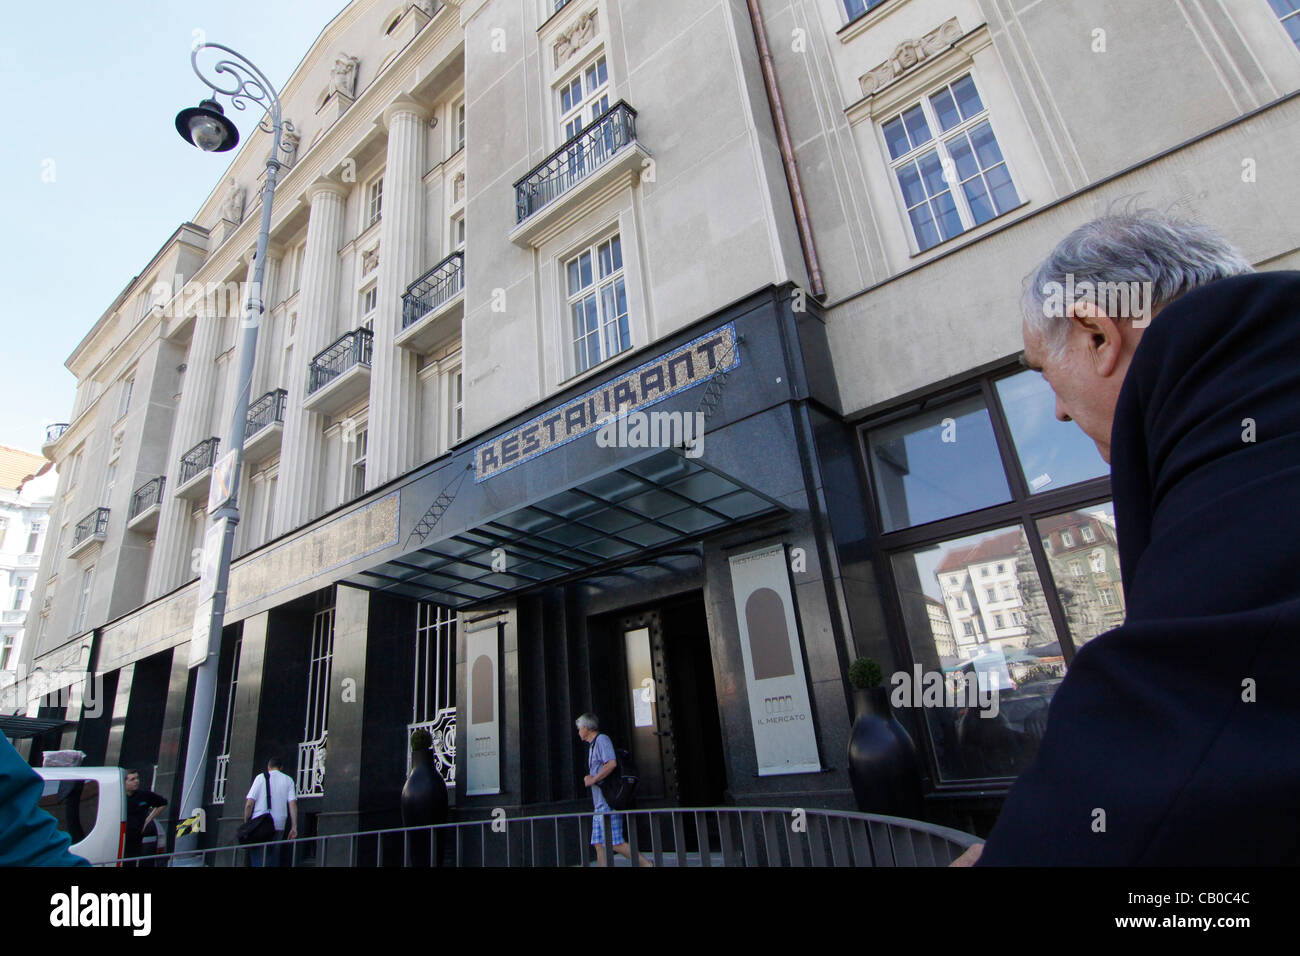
[(311, 751), (1288, 12), (597, 304), (34, 537), (455, 405), (83, 603), (374, 201), (6, 651), (369, 302), (584, 97), (124, 400), (227, 725), (856, 8), (945, 158), (357, 462), (433, 698), (459, 114)]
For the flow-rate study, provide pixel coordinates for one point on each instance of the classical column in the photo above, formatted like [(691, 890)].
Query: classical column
[(394, 427), (302, 450), (265, 365), (170, 565)]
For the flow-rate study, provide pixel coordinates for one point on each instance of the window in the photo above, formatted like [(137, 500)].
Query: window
[(856, 8), (124, 399), (84, 602), (75, 468), (1107, 597), (1097, 561), (298, 255), (6, 650), (458, 231), (1289, 13), (597, 302), (584, 98), (33, 537), (369, 301), (939, 143), (990, 594), (946, 510), (456, 406), (374, 201), (110, 479), (1067, 539), (1089, 536), (357, 468), (460, 126)]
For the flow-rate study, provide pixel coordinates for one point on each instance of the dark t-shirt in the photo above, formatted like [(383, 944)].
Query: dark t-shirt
[(138, 806)]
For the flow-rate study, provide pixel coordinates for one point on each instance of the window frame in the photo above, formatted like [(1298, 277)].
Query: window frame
[(589, 97), (938, 144), (595, 288), (1022, 512), (372, 208)]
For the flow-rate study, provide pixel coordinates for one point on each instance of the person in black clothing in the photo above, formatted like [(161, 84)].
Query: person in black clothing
[(142, 807), (1172, 739)]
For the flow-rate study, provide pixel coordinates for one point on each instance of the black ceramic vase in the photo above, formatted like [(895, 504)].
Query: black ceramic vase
[(883, 764), (424, 803)]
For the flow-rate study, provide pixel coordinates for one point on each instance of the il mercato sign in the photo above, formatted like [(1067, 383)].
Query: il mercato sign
[(685, 367)]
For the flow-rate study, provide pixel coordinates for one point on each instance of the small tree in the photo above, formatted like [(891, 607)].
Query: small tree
[(865, 673)]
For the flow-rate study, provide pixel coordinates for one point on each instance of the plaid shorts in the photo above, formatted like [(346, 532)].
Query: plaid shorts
[(615, 827)]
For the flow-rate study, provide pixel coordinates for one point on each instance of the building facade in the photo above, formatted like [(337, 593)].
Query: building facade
[(26, 492), (656, 359)]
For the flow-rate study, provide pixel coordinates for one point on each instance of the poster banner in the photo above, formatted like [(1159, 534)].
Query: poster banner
[(483, 733), (200, 633), (779, 706)]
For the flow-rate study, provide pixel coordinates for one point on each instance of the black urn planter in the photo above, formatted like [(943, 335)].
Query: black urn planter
[(424, 803), (883, 764)]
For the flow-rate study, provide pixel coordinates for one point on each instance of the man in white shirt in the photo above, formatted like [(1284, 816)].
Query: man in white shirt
[(283, 808)]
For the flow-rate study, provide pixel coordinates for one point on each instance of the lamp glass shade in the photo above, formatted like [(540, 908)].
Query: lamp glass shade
[(206, 133)]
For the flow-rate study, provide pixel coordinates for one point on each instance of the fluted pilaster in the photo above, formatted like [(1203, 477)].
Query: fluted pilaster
[(302, 451), (394, 436), (265, 365), (170, 566)]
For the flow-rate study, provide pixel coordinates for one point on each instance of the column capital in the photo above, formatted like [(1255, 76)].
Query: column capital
[(274, 250), (404, 104), (325, 186)]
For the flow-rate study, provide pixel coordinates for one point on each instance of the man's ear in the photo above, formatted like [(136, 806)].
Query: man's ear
[(1104, 337)]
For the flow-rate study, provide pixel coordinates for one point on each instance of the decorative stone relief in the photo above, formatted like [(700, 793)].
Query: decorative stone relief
[(343, 76), (370, 259), (908, 54), (233, 208), (458, 188), (575, 38), (289, 142)]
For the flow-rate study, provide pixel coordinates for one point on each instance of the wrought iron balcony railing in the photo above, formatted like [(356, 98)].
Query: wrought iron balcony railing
[(219, 779), (348, 350), (267, 410), (200, 457), (146, 496), (437, 286), (94, 525), (577, 159), (55, 432)]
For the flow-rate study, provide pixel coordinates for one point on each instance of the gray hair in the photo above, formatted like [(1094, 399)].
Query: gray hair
[(589, 721), (1141, 249)]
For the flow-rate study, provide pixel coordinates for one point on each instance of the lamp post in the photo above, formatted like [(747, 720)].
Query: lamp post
[(207, 127)]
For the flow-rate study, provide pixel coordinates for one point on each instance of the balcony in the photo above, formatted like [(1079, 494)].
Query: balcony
[(340, 374), (52, 434), (17, 617), (265, 425), (600, 160), (433, 305), (146, 502), (89, 533), (196, 470)]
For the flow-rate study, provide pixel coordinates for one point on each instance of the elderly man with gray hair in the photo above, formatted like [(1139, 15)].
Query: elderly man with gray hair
[(601, 762), (1175, 738)]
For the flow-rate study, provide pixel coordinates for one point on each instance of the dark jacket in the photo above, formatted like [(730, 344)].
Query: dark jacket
[(1179, 732)]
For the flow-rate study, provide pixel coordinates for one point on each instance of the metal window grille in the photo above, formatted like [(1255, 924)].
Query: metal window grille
[(433, 696), (311, 752), (223, 761)]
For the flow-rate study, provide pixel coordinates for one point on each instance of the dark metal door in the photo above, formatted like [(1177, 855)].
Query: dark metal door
[(651, 724)]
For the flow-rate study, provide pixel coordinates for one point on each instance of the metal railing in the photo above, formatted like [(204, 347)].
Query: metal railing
[(685, 837), (197, 459), (442, 732), (55, 432), (439, 285), (219, 779), (146, 496), (94, 524), (311, 767), (587, 151), (348, 350), (267, 410)]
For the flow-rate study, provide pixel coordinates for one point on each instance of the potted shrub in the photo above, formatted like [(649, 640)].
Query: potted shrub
[(883, 764)]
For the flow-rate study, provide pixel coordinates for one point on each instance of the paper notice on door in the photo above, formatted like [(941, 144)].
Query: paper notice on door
[(642, 709)]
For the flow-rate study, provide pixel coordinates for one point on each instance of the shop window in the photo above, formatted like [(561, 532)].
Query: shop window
[(947, 164), (953, 494)]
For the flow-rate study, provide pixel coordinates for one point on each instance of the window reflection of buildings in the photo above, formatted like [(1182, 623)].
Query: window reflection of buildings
[(981, 595), (1083, 555)]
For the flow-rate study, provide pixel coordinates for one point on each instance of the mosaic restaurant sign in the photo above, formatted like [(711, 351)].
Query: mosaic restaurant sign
[(671, 373)]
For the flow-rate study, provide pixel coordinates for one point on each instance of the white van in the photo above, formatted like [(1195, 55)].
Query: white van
[(89, 804)]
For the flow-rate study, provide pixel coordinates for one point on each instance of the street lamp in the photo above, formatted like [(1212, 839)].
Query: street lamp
[(207, 127)]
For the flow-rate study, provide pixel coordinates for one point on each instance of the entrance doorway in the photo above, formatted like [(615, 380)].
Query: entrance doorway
[(663, 664)]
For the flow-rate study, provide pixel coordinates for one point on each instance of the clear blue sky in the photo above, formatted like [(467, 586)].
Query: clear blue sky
[(94, 87)]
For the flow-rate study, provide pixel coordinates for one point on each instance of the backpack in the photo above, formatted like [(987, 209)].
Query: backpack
[(619, 788)]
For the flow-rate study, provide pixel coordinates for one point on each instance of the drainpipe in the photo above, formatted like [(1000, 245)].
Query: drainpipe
[(787, 151)]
